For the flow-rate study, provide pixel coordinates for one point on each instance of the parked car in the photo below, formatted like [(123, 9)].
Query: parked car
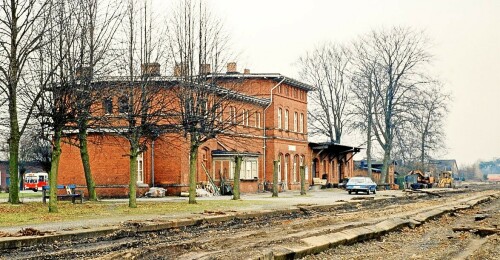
[(364, 184)]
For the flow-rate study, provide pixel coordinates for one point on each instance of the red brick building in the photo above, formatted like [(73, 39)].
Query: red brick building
[(272, 126)]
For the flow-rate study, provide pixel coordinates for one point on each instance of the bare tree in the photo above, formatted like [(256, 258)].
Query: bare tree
[(429, 116), (98, 22), (328, 68), (198, 46), (22, 26), (364, 78), (401, 55), (144, 103)]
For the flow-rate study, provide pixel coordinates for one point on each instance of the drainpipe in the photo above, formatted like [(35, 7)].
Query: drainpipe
[(264, 129), (153, 163)]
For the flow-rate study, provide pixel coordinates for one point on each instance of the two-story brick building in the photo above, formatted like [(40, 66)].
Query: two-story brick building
[(271, 126)]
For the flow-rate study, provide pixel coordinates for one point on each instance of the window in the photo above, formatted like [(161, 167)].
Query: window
[(257, 119), (279, 118), (233, 115), (295, 121), (123, 106), (286, 119), (301, 123), (243, 119), (295, 168), (249, 169), (285, 172), (108, 105), (279, 167), (140, 168)]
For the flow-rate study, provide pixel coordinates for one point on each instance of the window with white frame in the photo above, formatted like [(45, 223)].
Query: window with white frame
[(279, 118), (249, 169), (242, 122), (140, 168), (295, 122), (286, 119), (257, 119), (232, 115), (279, 167), (301, 122), (295, 169)]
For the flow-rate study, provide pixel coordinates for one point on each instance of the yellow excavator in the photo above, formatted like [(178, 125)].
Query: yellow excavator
[(445, 179)]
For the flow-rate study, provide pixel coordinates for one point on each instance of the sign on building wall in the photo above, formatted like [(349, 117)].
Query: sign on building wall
[(292, 148)]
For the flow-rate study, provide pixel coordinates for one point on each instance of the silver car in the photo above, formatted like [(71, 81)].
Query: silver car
[(364, 184)]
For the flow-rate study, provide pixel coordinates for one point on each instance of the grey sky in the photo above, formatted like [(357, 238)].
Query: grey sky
[(271, 35)]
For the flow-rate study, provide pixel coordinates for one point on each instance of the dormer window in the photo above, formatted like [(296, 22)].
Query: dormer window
[(108, 105), (123, 105)]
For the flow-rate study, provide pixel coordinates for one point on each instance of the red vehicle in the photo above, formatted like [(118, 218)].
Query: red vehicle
[(35, 181)]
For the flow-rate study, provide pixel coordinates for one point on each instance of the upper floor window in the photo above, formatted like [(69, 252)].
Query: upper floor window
[(257, 119), (279, 117), (232, 115), (123, 106), (247, 118), (286, 119), (301, 122), (242, 122), (295, 122), (108, 105)]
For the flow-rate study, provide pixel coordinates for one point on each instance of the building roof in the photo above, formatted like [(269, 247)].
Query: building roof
[(273, 76), (171, 80), (334, 147)]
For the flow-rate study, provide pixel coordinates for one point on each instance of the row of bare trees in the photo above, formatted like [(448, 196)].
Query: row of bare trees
[(54, 58), (380, 85)]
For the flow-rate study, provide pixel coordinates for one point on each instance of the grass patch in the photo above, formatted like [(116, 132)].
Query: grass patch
[(37, 212), (39, 194)]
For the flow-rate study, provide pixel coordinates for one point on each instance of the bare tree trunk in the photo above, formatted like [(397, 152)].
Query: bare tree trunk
[(132, 187), (15, 135), (302, 180), (193, 161), (385, 167), (56, 155), (275, 179), (369, 146), (14, 160), (84, 154), (237, 169)]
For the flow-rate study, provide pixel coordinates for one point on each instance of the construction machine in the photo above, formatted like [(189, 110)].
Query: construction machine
[(445, 179), (418, 180)]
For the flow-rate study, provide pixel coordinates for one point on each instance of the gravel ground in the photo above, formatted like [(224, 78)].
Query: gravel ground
[(433, 240), (242, 238)]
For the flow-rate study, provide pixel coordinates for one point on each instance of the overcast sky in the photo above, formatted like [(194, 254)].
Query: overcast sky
[(270, 35)]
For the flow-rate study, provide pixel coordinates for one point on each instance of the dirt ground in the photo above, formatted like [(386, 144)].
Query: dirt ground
[(433, 240), (248, 238)]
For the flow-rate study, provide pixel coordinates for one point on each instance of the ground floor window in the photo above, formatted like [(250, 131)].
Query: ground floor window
[(140, 168), (249, 169)]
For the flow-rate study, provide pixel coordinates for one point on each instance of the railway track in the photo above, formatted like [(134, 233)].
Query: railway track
[(263, 237)]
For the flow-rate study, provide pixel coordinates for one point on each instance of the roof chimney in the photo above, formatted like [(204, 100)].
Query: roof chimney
[(246, 71), (205, 69), (231, 68), (151, 69), (83, 73)]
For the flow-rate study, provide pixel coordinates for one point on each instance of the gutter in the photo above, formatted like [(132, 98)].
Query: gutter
[(264, 128)]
